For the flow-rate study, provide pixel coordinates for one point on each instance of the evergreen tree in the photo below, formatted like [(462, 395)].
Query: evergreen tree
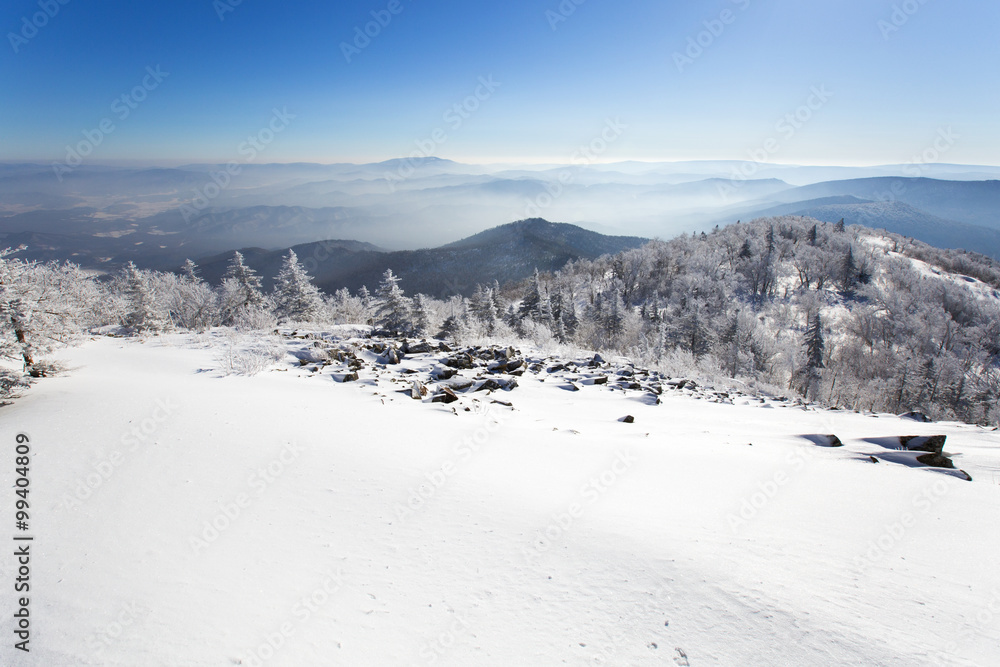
[(143, 313), (393, 313), (849, 272), (482, 307), (241, 290), (815, 347), (839, 227), (295, 297), (813, 233), (535, 304), (190, 272), (421, 316)]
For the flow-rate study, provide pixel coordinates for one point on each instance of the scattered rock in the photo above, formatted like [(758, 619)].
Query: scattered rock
[(627, 419), (417, 390), (936, 460), (345, 377), (390, 357), (822, 440), (923, 443), (458, 383), (916, 416), (445, 396), (443, 373)]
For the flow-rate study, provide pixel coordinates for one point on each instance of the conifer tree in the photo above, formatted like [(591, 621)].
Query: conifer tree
[(393, 313), (815, 347), (295, 296)]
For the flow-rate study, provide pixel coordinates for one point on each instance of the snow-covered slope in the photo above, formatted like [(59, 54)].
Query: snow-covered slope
[(185, 518)]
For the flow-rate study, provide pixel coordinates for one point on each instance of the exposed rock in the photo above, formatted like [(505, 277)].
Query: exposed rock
[(916, 416), (627, 419), (345, 377), (417, 390), (458, 383), (390, 357), (936, 460), (445, 396), (921, 443), (461, 360), (443, 373), (422, 347)]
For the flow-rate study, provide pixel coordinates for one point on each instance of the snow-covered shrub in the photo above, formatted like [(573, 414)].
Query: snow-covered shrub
[(245, 354)]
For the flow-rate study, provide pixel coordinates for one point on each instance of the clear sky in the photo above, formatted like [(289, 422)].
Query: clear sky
[(892, 76)]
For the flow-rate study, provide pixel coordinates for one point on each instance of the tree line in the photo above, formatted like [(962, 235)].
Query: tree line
[(845, 316)]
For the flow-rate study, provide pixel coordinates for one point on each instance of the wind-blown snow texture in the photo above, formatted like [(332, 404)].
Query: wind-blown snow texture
[(357, 526)]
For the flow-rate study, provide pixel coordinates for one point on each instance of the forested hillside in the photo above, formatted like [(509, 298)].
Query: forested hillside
[(845, 316)]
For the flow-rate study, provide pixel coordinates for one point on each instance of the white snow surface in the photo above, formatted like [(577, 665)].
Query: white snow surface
[(356, 526)]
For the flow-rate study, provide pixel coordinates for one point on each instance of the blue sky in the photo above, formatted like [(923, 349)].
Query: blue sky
[(559, 73)]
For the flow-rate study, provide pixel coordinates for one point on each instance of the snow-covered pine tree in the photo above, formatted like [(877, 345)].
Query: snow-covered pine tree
[(421, 315), (296, 299), (240, 290), (533, 306), (143, 313), (482, 308), (393, 313), (189, 271), (815, 348), (849, 272)]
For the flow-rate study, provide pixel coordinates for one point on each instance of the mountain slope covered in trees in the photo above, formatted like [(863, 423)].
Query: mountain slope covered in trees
[(507, 253), (842, 315), (905, 325)]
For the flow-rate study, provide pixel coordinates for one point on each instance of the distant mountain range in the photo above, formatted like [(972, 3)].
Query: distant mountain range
[(102, 217), (507, 253)]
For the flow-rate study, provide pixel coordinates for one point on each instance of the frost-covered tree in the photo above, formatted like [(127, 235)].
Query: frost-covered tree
[(815, 348), (393, 314), (144, 310), (295, 297), (191, 303), (240, 290), (482, 307), (420, 315), (41, 306)]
